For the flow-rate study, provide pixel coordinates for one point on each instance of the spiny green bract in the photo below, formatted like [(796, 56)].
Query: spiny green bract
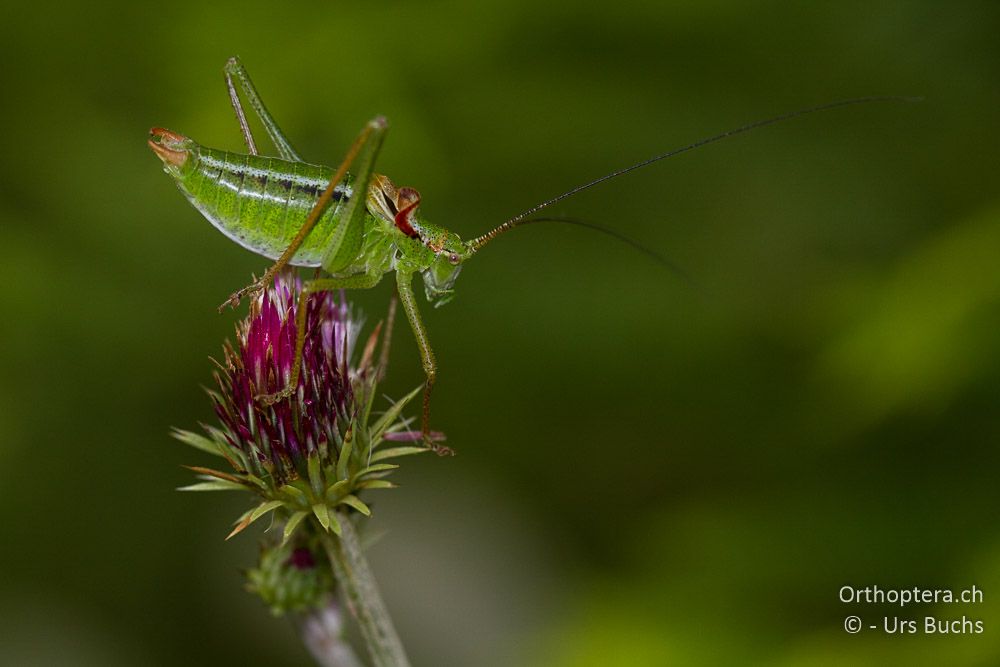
[(291, 578), (318, 449)]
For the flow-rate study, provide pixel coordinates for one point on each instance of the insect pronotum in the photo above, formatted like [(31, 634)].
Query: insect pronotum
[(356, 225)]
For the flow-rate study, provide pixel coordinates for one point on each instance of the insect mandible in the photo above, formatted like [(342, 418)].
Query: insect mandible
[(356, 225)]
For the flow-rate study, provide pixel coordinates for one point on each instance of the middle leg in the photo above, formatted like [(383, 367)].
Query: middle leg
[(405, 288)]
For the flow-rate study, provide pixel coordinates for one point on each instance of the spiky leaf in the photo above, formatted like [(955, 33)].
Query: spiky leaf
[(376, 484), (345, 455), (292, 524), (393, 452), (264, 508), (391, 415), (215, 473), (322, 513), (294, 493), (378, 467), (197, 441), (337, 489), (215, 485), (315, 474), (354, 502)]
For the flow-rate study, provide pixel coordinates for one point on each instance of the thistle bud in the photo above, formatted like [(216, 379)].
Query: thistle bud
[(291, 578)]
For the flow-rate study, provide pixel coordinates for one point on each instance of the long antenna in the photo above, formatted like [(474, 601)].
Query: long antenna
[(662, 260), (522, 218)]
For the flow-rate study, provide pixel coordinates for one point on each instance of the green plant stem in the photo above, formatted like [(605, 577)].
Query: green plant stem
[(362, 597), (322, 633)]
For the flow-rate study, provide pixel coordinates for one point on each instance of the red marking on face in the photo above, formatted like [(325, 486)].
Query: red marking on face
[(407, 201)]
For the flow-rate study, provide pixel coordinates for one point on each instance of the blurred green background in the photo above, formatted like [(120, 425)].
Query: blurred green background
[(649, 473)]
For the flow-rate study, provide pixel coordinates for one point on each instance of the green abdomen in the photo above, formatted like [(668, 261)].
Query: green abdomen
[(262, 202)]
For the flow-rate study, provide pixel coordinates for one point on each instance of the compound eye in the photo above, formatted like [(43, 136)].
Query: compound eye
[(453, 258)]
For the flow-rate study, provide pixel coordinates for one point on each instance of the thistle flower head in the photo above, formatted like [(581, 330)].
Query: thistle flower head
[(279, 438), (318, 448)]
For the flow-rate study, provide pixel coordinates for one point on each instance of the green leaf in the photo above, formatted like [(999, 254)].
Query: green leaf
[(369, 402), (315, 474), (234, 453), (326, 518), (362, 444), (252, 515), (256, 480), (354, 502), (335, 525), (392, 414), (197, 441), (293, 523), (345, 454), (215, 473), (294, 494), (215, 485), (264, 508), (393, 452), (378, 467), (336, 489), (322, 513), (376, 484)]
